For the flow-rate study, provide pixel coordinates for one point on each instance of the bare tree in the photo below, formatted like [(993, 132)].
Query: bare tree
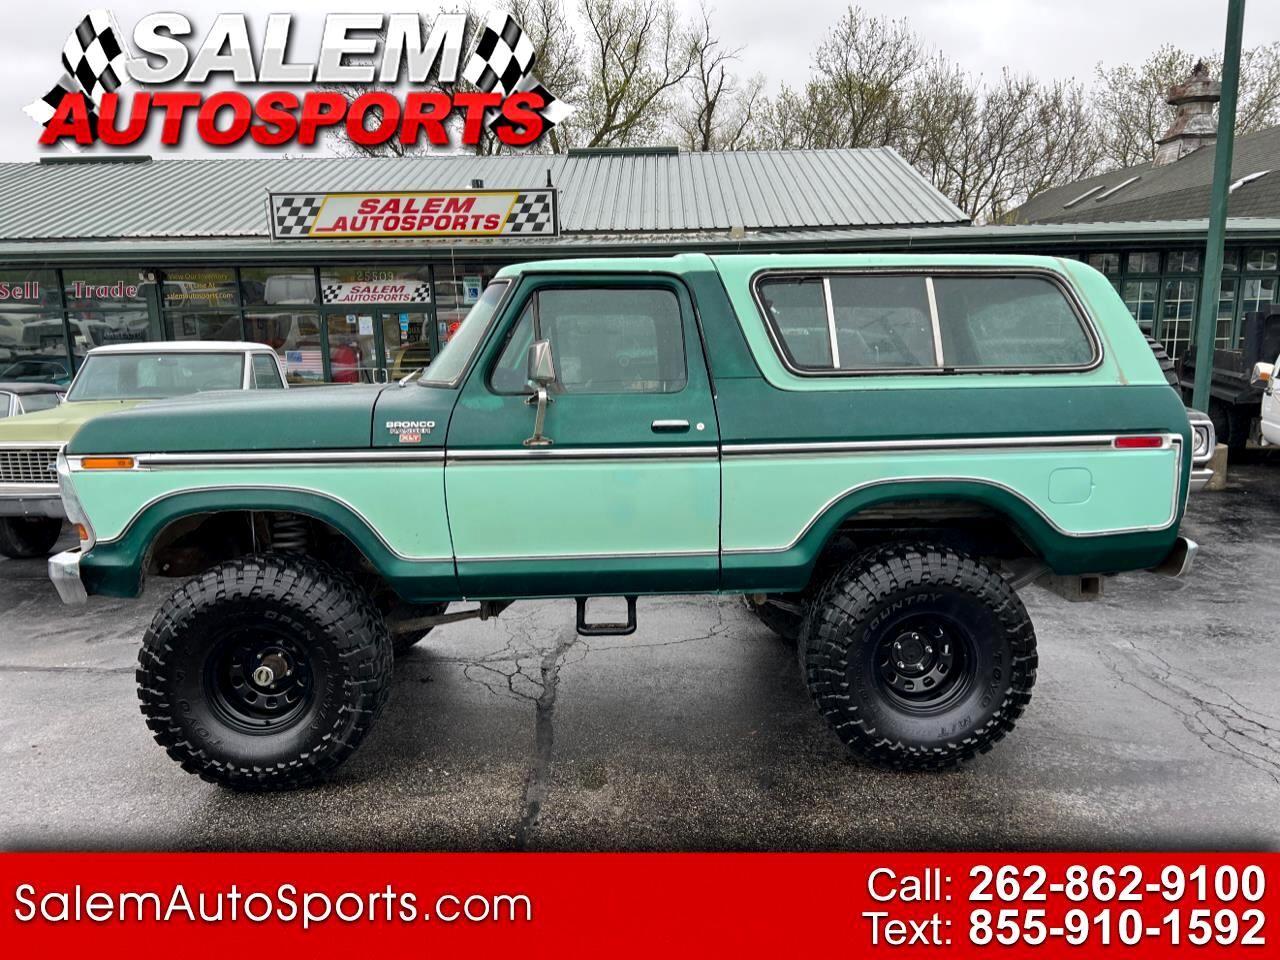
[(862, 76), (638, 55), (721, 109)]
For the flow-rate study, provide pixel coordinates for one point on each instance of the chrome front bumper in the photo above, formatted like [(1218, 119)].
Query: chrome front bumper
[(33, 501), (64, 571)]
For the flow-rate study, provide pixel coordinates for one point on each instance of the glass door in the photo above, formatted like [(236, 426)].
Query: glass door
[(406, 342), (352, 345)]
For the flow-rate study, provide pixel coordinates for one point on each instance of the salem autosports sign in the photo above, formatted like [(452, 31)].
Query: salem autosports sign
[(379, 76), (454, 213)]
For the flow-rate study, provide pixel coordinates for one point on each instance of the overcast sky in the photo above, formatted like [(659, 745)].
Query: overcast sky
[(1050, 39)]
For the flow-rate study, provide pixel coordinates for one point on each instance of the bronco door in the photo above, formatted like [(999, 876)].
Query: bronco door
[(626, 496)]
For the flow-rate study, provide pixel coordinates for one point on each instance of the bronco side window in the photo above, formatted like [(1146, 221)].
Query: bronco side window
[(605, 340), (883, 321), (1008, 322)]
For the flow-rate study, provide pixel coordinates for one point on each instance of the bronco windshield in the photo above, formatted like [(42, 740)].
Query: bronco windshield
[(453, 358), (150, 376)]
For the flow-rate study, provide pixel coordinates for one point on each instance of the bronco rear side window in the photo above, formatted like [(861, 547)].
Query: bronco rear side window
[(1007, 322), (849, 322)]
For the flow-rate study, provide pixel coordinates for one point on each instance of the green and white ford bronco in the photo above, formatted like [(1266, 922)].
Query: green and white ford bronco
[(876, 451)]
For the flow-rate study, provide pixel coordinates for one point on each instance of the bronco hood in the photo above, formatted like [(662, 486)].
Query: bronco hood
[(304, 418)]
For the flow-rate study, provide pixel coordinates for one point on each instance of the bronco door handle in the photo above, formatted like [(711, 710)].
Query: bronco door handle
[(670, 426)]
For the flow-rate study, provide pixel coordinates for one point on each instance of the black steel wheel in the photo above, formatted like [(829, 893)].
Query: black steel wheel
[(918, 657), (24, 538), (264, 673)]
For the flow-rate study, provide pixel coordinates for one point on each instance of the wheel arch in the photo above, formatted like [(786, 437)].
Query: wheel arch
[(119, 566), (854, 510)]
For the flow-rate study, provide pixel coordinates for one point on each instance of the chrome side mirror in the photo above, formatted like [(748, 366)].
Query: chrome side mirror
[(542, 374), (542, 365), (1262, 373)]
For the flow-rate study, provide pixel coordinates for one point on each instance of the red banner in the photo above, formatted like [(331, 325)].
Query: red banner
[(779, 905)]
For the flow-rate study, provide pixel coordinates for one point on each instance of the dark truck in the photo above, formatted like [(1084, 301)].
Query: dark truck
[(1233, 399)]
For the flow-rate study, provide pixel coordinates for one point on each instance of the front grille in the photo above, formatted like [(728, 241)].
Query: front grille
[(28, 465)]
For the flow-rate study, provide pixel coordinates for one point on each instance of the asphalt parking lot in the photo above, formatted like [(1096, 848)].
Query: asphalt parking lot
[(1155, 723)]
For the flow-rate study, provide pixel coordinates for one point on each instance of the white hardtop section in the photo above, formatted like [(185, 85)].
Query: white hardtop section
[(184, 346)]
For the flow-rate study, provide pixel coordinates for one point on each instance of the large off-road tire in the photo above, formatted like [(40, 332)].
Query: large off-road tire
[(22, 538), (918, 657), (324, 643), (402, 643)]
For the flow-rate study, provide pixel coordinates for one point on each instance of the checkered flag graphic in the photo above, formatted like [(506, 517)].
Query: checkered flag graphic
[(531, 214), (94, 55), (504, 56), (294, 215), (504, 61), (44, 109), (95, 62)]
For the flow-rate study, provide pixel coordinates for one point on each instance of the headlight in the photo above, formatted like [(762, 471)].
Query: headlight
[(1199, 441), (1203, 436)]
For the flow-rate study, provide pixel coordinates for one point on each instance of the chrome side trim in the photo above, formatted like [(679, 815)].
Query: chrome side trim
[(151, 461), (273, 487), (1101, 441), (524, 455), (1173, 510), (625, 555)]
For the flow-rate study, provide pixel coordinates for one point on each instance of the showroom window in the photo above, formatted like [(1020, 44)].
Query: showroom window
[(295, 337), (105, 306), (267, 286), (33, 343)]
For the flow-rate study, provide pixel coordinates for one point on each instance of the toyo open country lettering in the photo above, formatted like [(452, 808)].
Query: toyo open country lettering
[(876, 452)]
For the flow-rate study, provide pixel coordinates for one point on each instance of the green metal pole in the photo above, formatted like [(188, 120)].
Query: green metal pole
[(1207, 319)]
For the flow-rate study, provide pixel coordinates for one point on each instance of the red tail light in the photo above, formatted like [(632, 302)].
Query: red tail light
[(1138, 443)]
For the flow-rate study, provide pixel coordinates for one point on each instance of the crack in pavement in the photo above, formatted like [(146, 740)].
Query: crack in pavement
[(528, 668), (538, 783), (1216, 718)]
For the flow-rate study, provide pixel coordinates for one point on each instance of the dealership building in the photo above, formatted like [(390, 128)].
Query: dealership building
[(304, 253)]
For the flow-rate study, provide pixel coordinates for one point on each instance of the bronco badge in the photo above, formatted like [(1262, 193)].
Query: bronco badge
[(410, 431)]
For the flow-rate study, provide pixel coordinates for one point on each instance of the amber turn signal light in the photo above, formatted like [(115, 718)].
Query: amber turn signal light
[(106, 463), (82, 532)]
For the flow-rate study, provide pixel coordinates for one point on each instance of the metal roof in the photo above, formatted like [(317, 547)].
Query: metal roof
[(1173, 190), (629, 193), (1066, 237)]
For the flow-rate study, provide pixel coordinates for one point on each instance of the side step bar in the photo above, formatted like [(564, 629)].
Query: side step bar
[(606, 629)]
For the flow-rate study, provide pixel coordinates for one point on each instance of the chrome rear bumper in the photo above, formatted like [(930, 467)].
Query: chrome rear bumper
[(1179, 560), (64, 571)]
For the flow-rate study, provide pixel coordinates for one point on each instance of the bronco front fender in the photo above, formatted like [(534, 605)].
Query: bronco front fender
[(116, 567)]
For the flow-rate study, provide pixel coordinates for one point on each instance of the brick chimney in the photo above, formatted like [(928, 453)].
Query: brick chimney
[(1194, 126)]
